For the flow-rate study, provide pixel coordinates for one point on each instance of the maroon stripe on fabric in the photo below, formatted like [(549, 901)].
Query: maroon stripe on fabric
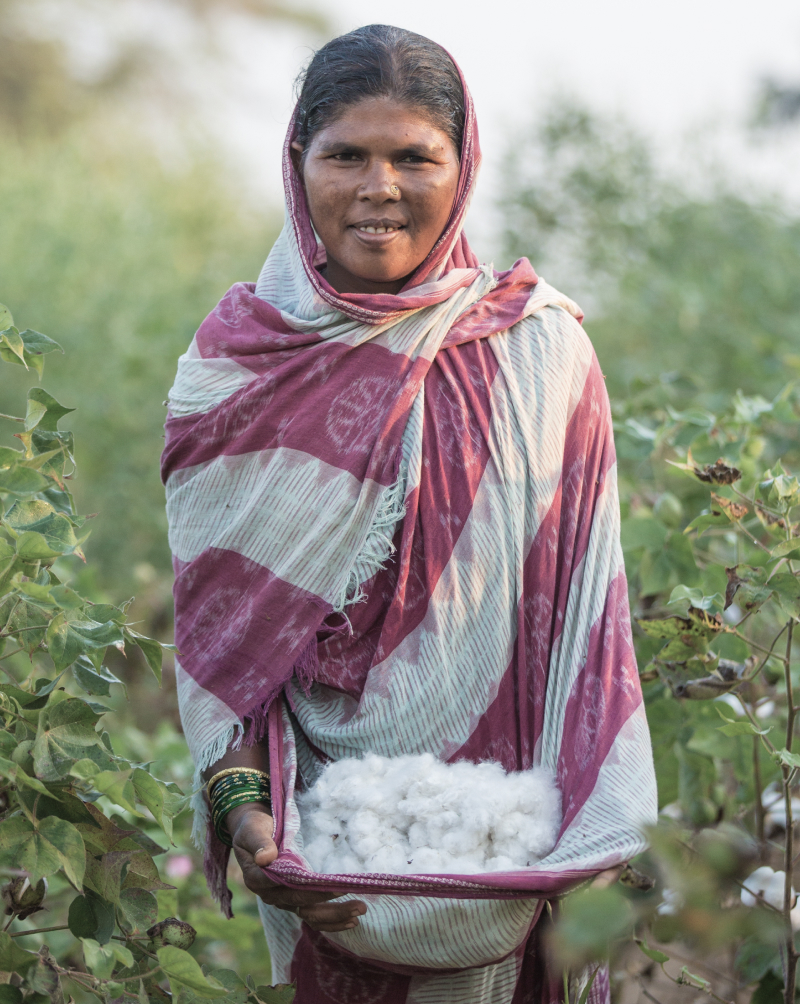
[(562, 539), (508, 730), (604, 696), (325, 975), (455, 444), (345, 406), (499, 309), (455, 448), (225, 630), (243, 325)]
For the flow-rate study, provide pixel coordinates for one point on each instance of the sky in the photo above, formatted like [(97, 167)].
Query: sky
[(690, 67)]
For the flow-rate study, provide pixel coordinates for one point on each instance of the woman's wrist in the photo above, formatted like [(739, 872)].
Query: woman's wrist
[(237, 814)]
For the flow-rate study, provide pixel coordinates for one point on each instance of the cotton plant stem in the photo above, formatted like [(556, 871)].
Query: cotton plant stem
[(788, 849), (760, 814), (40, 930)]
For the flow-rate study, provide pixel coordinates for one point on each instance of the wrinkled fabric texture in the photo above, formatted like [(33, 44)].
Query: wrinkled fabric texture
[(395, 529)]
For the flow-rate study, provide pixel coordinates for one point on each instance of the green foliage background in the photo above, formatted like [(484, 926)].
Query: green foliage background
[(120, 259)]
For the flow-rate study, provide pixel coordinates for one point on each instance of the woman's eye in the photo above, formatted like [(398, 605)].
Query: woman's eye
[(414, 158), (346, 156)]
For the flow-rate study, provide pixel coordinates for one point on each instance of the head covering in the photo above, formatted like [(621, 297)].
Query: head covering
[(400, 512), (451, 263)]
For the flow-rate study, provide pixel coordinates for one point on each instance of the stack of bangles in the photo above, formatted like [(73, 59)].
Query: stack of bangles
[(232, 787)]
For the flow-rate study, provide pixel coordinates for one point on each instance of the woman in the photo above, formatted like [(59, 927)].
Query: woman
[(393, 511)]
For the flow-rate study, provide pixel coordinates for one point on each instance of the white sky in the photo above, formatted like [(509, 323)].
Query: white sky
[(687, 65), (673, 68)]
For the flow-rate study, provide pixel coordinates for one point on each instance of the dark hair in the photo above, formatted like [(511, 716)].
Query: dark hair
[(380, 61)]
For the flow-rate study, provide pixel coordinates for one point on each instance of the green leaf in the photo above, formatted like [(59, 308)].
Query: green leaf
[(184, 971), (21, 480), (43, 411), (94, 681), (735, 725), (785, 757), (12, 348), (39, 517), (151, 650), (140, 909), (90, 916), (284, 993), (769, 990), (38, 344), (690, 980), (44, 849), (695, 598), (14, 959), (10, 994), (786, 548), (741, 729), (14, 773), (65, 732), (787, 590), (102, 959), (71, 634), (642, 533), (708, 520), (154, 795), (6, 320), (105, 875)]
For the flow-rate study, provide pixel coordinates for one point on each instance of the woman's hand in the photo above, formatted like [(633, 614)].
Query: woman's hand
[(250, 827)]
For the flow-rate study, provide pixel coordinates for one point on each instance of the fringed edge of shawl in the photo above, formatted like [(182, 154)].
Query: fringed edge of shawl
[(377, 548)]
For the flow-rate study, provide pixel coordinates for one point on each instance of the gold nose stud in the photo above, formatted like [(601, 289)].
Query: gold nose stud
[(394, 190)]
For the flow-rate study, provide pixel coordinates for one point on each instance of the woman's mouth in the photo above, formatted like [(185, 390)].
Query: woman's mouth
[(378, 230)]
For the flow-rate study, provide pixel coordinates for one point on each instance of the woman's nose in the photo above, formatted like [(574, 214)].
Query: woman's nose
[(380, 184)]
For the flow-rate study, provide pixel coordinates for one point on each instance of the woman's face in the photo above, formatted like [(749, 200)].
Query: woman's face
[(374, 235)]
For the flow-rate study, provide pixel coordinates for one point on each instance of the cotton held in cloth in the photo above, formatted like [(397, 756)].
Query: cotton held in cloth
[(416, 815)]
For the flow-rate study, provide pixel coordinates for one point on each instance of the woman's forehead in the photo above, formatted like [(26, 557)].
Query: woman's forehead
[(383, 122)]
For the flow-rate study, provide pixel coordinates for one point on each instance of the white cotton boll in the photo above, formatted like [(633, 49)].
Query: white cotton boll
[(416, 815), (766, 884), (501, 863)]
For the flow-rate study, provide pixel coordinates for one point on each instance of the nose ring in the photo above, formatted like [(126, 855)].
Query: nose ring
[(394, 190)]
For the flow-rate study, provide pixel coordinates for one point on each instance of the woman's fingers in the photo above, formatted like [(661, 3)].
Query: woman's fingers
[(608, 877), (332, 916), (251, 829)]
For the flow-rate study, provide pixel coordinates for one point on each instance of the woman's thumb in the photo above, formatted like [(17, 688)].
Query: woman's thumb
[(254, 835)]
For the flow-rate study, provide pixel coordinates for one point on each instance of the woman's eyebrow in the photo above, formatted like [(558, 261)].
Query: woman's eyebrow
[(412, 149)]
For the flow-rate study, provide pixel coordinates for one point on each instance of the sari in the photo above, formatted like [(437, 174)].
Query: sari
[(395, 529)]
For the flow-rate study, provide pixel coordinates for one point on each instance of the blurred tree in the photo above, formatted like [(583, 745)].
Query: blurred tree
[(671, 280), (44, 89), (121, 260), (777, 104)]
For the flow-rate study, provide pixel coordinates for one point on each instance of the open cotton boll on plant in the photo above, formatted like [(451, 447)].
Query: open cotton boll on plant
[(415, 815)]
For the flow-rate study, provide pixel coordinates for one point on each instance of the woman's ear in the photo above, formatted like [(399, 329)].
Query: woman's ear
[(297, 157)]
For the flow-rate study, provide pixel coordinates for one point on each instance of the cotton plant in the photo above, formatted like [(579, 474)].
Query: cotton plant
[(710, 534), (76, 817)]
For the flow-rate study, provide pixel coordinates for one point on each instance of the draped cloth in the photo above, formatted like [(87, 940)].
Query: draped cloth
[(395, 528)]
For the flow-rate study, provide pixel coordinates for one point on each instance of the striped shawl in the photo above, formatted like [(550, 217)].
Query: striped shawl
[(395, 524)]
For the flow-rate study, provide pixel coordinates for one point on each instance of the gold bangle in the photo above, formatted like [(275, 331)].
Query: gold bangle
[(233, 770)]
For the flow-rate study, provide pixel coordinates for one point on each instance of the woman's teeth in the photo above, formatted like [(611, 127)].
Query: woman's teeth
[(378, 230)]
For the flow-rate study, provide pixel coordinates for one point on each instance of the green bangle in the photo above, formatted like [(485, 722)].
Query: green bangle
[(231, 791)]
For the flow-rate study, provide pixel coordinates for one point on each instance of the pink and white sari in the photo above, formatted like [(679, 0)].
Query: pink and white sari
[(395, 524)]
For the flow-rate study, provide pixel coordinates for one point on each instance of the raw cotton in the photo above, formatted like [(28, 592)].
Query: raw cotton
[(416, 815)]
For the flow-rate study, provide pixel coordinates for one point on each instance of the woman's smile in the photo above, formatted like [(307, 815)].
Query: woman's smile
[(377, 233)]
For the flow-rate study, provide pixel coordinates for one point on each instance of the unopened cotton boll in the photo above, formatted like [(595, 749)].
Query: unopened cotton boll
[(415, 815)]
